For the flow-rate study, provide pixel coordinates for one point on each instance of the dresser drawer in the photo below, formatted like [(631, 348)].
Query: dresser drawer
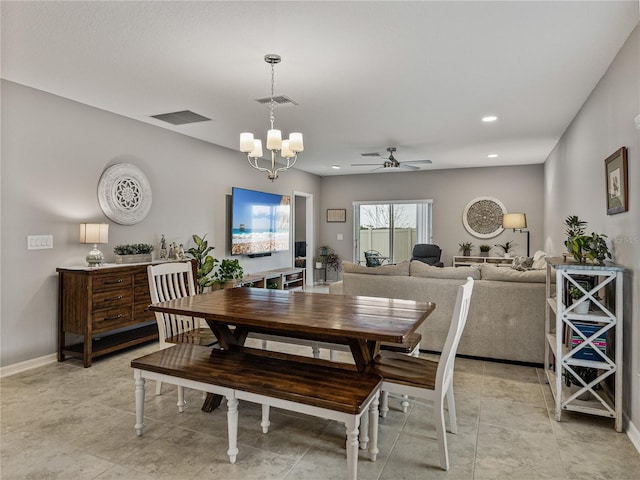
[(111, 281), (111, 299), (110, 319)]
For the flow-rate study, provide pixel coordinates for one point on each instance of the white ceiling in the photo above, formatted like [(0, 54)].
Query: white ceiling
[(366, 75)]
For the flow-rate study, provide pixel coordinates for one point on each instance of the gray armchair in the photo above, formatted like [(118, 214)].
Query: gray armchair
[(427, 253)]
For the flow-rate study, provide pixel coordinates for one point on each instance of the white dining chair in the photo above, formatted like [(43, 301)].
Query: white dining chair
[(168, 281), (429, 379)]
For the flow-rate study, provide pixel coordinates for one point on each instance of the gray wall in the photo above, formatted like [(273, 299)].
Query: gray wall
[(53, 153), (519, 188), (575, 185)]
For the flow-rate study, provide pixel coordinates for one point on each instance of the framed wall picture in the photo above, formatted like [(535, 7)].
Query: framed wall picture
[(336, 214), (617, 186)]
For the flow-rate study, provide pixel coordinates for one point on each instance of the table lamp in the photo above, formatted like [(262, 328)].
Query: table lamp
[(94, 233), (516, 221)]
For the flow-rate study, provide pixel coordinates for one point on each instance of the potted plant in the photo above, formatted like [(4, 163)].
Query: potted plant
[(506, 246), (133, 253), (206, 262), (228, 270), (576, 240), (592, 247), (332, 261), (465, 248), (319, 262), (484, 250), (575, 293), (596, 248)]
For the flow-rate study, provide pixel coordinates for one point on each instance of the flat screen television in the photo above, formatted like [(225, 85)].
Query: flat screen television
[(259, 222)]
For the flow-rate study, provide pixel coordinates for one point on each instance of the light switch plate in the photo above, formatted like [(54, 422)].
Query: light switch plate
[(340, 236), (39, 242)]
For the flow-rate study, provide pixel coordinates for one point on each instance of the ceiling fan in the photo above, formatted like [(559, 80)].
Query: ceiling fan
[(390, 161)]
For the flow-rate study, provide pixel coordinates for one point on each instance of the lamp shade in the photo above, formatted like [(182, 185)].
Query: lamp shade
[(94, 233), (514, 220)]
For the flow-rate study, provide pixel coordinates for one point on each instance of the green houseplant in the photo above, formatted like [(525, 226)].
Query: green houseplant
[(592, 247), (133, 253), (484, 250), (206, 262), (465, 248), (332, 260), (596, 248), (506, 246), (228, 270), (575, 293), (575, 241)]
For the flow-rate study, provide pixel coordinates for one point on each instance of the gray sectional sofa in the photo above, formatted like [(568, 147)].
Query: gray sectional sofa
[(506, 316)]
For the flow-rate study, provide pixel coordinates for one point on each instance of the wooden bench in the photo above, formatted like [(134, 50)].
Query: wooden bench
[(312, 388)]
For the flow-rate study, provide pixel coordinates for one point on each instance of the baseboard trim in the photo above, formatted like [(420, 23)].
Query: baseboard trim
[(632, 432), (27, 365)]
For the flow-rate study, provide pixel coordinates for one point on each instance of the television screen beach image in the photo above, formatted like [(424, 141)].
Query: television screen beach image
[(260, 222)]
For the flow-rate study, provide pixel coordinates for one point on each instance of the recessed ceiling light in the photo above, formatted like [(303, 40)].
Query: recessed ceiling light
[(492, 155), (489, 118), (335, 167)]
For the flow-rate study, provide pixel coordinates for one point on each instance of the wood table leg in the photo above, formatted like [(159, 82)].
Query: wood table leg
[(211, 402)]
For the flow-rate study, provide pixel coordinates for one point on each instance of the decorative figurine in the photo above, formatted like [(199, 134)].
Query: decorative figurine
[(163, 248), (172, 252), (180, 254)]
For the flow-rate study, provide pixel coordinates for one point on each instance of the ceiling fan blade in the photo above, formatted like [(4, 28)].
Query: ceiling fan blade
[(408, 167), (363, 164), (417, 161), (379, 168), (373, 154)]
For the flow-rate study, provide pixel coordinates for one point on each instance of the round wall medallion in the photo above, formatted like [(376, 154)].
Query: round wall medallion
[(482, 217), (124, 194)]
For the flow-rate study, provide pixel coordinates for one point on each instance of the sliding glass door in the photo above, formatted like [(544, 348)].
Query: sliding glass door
[(391, 228)]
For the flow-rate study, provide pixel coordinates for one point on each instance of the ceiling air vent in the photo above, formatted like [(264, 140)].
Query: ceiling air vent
[(279, 99), (181, 118)]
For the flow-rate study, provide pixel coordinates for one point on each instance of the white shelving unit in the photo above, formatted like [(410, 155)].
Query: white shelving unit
[(468, 260), (575, 341), (285, 278)]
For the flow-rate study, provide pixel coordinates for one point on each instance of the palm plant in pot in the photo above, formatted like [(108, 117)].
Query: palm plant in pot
[(465, 248), (506, 246)]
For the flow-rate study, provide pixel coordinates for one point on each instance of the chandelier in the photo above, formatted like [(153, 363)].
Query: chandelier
[(288, 149)]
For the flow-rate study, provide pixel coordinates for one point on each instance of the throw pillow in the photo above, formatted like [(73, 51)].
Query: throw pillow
[(398, 269), (539, 260), (522, 264)]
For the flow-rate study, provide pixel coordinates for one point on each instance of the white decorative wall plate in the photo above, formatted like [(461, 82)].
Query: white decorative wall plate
[(124, 194), (482, 217)]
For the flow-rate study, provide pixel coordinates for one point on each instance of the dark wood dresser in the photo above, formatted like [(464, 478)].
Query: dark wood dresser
[(106, 306)]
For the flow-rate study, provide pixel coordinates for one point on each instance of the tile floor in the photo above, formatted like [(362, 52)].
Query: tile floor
[(62, 421)]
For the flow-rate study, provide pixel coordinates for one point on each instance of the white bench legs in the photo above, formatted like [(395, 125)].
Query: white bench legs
[(232, 402), (367, 420)]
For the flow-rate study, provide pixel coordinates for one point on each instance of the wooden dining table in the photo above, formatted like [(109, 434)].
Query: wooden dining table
[(358, 322)]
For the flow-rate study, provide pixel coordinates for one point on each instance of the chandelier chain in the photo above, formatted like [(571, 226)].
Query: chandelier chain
[(271, 104)]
